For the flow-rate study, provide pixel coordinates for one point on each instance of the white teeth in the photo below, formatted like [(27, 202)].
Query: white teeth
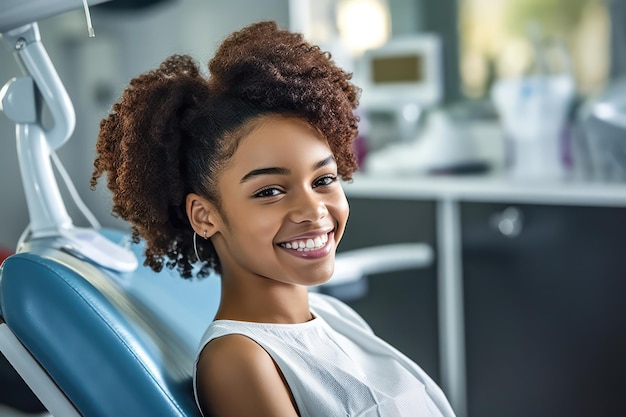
[(308, 244)]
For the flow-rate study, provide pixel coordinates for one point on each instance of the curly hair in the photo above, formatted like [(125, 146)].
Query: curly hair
[(173, 131)]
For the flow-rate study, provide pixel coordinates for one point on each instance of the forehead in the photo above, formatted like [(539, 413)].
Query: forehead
[(278, 138)]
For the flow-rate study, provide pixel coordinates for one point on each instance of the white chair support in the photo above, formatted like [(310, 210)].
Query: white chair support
[(34, 375)]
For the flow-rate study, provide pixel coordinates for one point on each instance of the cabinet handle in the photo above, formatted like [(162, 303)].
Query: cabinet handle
[(509, 222)]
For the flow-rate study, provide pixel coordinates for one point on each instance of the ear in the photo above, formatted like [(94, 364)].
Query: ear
[(202, 215)]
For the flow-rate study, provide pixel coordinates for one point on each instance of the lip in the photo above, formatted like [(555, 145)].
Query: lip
[(311, 234), (312, 254)]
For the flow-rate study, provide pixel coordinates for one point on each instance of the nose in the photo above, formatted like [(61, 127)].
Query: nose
[(308, 206)]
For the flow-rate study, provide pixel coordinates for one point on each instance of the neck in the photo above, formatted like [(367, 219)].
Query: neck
[(266, 302)]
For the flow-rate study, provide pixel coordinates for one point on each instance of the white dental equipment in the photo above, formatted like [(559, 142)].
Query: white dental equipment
[(22, 100), (400, 80), (406, 69)]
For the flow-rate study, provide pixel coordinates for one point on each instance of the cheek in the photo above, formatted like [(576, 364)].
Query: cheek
[(345, 208), (341, 211), (254, 225), (265, 225)]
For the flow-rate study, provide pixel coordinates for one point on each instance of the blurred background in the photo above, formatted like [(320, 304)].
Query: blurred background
[(493, 130)]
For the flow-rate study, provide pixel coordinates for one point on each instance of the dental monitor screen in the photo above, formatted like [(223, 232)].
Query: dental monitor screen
[(405, 70), (397, 69)]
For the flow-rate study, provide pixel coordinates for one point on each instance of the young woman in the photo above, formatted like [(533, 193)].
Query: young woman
[(239, 172)]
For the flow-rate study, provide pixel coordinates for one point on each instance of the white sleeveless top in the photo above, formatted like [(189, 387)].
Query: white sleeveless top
[(334, 365)]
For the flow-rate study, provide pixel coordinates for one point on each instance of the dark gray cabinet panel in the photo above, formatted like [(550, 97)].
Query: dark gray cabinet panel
[(545, 311)]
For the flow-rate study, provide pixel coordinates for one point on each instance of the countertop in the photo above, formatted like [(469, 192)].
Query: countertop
[(496, 187)]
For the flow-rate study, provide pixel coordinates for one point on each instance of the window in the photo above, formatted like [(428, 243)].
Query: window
[(502, 38)]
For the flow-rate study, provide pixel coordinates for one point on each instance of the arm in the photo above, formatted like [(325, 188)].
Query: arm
[(237, 377)]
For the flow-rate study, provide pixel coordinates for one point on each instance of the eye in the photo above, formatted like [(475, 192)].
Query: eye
[(325, 181), (267, 192)]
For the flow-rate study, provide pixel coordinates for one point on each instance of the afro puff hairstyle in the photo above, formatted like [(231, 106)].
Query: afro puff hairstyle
[(173, 131)]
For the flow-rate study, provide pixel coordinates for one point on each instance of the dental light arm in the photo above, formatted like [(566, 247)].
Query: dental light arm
[(34, 144), (16, 13), (22, 100)]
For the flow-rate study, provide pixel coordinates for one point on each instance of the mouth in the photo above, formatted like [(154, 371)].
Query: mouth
[(306, 245), (310, 246)]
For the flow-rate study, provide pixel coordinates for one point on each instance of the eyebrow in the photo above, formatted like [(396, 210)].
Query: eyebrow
[(325, 162), (282, 171)]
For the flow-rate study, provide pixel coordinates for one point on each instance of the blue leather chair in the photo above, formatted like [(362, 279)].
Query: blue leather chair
[(94, 342)]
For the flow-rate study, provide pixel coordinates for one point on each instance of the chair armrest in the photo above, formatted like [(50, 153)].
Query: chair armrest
[(355, 264), (351, 267)]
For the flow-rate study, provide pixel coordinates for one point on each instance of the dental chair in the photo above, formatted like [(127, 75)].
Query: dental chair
[(95, 342), (88, 328)]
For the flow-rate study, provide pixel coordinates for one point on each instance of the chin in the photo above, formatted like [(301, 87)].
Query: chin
[(314, 276), (323, 278)]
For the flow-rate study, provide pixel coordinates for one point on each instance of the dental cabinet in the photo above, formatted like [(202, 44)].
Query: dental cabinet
[(523, 312)]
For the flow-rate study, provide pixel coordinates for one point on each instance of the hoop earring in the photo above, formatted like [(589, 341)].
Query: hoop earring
[(195, 246)]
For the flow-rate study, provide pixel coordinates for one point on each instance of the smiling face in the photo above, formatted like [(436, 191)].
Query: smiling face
[(283, 210)]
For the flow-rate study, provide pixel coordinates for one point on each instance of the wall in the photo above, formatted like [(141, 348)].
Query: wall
[(95, 70)]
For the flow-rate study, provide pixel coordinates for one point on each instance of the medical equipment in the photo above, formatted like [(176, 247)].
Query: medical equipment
[(16, 13), (406, 69), (399, 80), (21, 99), (442, 147)]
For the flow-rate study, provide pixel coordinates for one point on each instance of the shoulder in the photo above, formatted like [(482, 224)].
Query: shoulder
[(236, 376), (230, 351)]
